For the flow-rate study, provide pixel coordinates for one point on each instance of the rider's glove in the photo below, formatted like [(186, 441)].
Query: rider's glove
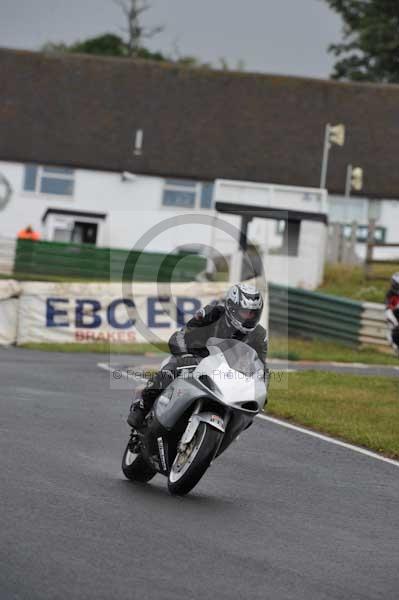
[(186, 360)]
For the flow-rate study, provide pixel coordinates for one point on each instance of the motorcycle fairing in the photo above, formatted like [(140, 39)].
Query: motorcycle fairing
[(178, 397)]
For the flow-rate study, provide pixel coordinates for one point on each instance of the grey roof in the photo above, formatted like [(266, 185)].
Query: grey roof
[(83, 111)]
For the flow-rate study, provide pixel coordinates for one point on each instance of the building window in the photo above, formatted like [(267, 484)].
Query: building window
[(180, 193), (206, 195), (362, 233), (57, 181)]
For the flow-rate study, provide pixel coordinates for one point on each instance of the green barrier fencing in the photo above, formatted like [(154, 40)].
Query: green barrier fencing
[(309, 314), (87, 262)]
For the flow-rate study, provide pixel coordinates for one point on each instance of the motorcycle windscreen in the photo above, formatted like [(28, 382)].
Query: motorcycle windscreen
[(238, 355)]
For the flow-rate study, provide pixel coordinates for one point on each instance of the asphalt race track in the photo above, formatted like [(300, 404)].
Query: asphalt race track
[(281, 515)]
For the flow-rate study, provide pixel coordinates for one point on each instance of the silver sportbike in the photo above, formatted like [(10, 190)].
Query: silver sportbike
[(198, 416)]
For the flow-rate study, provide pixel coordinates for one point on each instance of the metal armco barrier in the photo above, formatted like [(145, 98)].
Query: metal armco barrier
[(373, 326), (310, 314)]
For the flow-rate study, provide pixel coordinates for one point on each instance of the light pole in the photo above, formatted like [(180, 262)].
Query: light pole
[(334, 134), (348, 182)]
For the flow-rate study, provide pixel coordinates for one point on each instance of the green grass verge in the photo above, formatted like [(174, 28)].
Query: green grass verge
[(350, 282), (292, 349), (360, 410)]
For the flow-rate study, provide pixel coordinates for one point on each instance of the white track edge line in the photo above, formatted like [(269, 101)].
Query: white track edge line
[(330, 440)]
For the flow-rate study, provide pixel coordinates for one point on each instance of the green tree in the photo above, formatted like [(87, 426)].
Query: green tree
[(107, 44), (370, 47), (103, 45)]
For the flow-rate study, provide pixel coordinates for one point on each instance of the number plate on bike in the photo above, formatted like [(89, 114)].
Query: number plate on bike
[(215, 419)]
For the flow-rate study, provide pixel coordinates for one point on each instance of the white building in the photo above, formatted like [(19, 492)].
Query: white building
[(121, 210)]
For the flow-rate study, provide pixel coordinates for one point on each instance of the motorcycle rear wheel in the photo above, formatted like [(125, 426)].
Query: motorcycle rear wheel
[(135, 468), (186, 472)]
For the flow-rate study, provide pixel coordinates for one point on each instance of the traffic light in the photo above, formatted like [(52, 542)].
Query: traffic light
[(337, 134), (357, 179)]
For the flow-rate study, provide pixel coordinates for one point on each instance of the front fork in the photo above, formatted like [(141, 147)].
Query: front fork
[(191, 427), (194, 421)]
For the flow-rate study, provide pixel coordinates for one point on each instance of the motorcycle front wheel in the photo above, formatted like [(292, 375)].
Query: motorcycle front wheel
[(189, 466), (135, 468)]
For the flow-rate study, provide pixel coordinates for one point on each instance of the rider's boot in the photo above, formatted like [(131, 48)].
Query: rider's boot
[(145, 398), (137, 415)]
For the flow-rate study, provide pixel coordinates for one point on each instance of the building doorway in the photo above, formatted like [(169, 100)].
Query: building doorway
[(84, 233), (76, 227)]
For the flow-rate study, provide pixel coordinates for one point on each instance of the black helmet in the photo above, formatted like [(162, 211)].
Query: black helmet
[(395, 283), (243, 304)]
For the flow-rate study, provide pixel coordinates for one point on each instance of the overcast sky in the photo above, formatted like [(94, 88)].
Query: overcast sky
[(271, 36)]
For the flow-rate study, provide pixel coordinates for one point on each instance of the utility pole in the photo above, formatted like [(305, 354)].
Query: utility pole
[(348, 182), (374, 208), (370, 248)]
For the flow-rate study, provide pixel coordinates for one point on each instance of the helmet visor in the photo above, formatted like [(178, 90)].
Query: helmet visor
[(248, 318)]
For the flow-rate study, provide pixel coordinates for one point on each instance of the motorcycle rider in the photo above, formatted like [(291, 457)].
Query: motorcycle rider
[(392, 311), (237, 317)]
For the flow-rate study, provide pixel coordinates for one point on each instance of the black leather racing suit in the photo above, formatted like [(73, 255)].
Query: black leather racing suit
[(192, 339)]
